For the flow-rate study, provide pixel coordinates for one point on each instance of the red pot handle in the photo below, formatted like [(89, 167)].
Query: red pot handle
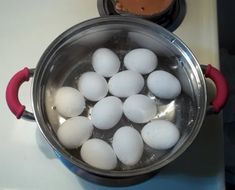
[(12, 93), (221, 87)]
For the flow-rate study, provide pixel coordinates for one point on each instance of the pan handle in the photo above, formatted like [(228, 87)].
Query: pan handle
[(12, 92), (221, 84)]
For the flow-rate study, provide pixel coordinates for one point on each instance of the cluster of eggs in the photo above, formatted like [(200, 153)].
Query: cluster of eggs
[(127, 144)]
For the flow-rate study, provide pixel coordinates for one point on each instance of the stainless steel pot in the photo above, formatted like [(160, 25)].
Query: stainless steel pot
[(69, 56)]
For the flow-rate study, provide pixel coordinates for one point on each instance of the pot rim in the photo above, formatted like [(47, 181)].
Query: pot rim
[(94, 22)]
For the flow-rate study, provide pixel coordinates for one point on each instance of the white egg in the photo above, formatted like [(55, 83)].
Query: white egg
[(93, 86), (126, 83), (160, 134), (74, 132), (141, 60), (69, 102), (163, 85), (128, 145), (105, 62), (107, 112), (99, 154), (139, 108)]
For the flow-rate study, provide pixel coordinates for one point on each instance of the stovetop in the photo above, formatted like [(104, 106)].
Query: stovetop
[(28, 162)]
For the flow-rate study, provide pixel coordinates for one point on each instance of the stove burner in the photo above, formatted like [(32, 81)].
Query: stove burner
[(169, 20)]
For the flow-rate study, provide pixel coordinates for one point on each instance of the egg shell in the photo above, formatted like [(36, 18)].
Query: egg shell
[(139, 108), (74, 132), (93, 86), (126, 83), (128, 145), (105, 62), (141, 60), (160, 134), (69, 102), (98, 154), (107, 112), (163, 85)]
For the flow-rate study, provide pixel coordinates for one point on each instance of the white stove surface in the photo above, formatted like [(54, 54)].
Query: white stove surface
[(27, 162)]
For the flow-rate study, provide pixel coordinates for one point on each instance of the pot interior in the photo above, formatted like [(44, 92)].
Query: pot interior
[(69, 56)]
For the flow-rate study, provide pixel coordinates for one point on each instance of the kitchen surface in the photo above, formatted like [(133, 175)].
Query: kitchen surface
[(28, 162)]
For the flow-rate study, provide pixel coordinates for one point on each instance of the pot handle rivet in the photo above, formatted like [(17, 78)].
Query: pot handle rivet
[(221, 84), (12, 94)]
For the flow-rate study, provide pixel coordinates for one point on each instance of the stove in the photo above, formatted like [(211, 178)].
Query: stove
[(28, 162), (169, 20)]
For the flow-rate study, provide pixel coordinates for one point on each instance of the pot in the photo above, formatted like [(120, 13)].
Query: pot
[(69, 55)]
